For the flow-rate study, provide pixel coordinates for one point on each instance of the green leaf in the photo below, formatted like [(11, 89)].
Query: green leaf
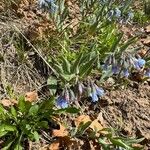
[(119, 142), (52, 85), (67, 77), (3, 133), (36, 136), (33, 110), (8, 144), (104, 144), (13, 111), (66, 65), (93, 27), (58, 68), (86, 67), (126, 6), (18, 147), (72, 110), (27, 106), (133, 141), (83, 127), (129, 42), (21, 104), (43, 124), (5, 127), (2, 110), (75, 66), (116, 42), (47, 104)]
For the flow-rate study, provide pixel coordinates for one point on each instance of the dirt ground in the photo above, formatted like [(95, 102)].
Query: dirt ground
[(129, 111)]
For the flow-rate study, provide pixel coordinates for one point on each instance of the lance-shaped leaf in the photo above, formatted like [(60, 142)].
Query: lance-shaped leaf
[(66, 65), (116, 42), (87, 67), (75, 66), (129, 42)]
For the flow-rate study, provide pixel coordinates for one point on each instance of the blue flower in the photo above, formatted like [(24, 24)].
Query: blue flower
[(115, 69), (130, 16), (105, 66), (96, 92), (99, 91), (117, 12), (49, 4), (147, 73), (62, 102), (110, 14), (126, 72), (139, 63), (94, 96), (43, 3)]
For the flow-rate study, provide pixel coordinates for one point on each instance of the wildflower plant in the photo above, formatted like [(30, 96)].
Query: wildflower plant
[(70, 78), (96, 42), (25, 121)]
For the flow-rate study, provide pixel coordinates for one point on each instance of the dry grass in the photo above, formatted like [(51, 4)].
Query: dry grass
[(17, 68)]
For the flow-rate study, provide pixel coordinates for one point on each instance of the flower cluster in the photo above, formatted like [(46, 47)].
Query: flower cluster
[(64, 99), (49, 4), (68, 95), (124, 65), (96, 93), (117, 14)]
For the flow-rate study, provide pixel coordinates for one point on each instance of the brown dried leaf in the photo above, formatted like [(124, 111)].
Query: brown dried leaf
[(6, 102), (83, 118), (146, 41), (137, 145), (95, 125), (55, 145), (62, 132), (31, 96), (142, 52)]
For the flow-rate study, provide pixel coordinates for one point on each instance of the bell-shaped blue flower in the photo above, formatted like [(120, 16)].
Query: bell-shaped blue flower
[(130, 16), (126, 72), (115, 69), (62, 102), (48, 4), (110, 15), (94, 96), (139, 63), (117, 12), (99, 91), (105, 66)]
